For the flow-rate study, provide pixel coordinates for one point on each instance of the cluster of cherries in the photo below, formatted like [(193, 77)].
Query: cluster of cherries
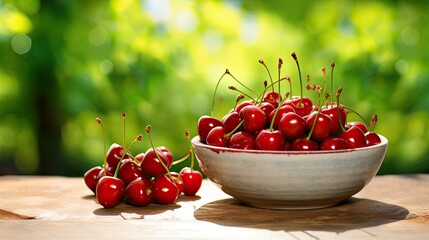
[(141, 179), (270, 121)]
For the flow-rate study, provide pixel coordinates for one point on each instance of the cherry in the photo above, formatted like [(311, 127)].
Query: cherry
[(371, 137), (151, 163), (110, 191), (354, 137), (165, 190), (244, 104), (139, 192), (91, 177), (268, 139), (333, 143), (231, 120), (358, 124), (242, 140), (114, 154), (282, 111), (254, 119), (267, 108), (304, 144), (129, 171), (292, 125), (302, 106), (167, 153), (205, 125), (178, 181), (322, 126), (217, 137), (272, 97), (337, 121), (192, 180), (139, 158)]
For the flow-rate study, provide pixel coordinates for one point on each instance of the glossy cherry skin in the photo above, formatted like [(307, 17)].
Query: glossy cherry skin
[(292, 125), (114, 155), (139, 192), (231, 120), (254, 119), (272, 97), (243, 104), (205, 125), (91, 177), (358, 124), (267, 108), (139, 158), (110, 191), (301, 109), (354, 137), (216, 137), (167, 153), (322, 128), (269, 140), (372, 138), (303, 144), (192, 180), (332, 111), (282, 111), (165, 190), (179, 183), (333, 143), (151, 165), (129, 171), (242, 140)]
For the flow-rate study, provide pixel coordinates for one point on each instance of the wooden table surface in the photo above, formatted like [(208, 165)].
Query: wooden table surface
[(53, 207)]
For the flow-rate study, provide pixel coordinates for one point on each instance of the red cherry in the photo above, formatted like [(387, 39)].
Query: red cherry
[(304, 144), (167, 153), (301, 108), (243, 104), (254, 119), (333, 143), (178, 181), (281, 112), (192, 180), (267, 108), (205, 124), (139, 192), (114, 155), (91, 177), (269, 140), (151, 165), (292, 125), (110, 191), (129, 171), (354, 137), (322, 128), (332, 111), (358, 124), (231, 120), (165, 191), (216, 137), (139, 158), (372, 138), (242, 140)]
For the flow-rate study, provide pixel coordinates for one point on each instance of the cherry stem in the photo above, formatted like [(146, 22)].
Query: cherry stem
[(277, 111), (260, 98), (123, 121), (191, 149), (324, 79), (98, 120), (360, 116), (182, 159), (307, 85), (373, 122), (268, 71), (317, 116), (332, 80), (230, 74), (137, 139), (148, 128), (241, 92), (339, 91), (215, 91), (279, 67), (290, 85), (300, 77), (238, 99)]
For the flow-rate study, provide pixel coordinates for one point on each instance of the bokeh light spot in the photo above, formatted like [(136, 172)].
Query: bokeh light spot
[(21, 43)]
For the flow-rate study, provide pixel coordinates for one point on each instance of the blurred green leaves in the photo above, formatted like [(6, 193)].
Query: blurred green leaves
[(62, 64)]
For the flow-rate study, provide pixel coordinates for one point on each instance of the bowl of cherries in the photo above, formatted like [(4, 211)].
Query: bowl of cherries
[(289, 152)]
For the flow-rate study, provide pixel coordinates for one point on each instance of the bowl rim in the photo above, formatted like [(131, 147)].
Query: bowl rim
[(197, 143)]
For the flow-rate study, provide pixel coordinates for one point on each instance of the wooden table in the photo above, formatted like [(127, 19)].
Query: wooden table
[(42, 207)]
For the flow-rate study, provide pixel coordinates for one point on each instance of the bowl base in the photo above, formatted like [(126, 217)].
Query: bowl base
[(293, 205)]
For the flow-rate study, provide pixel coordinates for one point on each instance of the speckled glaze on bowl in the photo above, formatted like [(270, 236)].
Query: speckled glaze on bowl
[(290, 180)]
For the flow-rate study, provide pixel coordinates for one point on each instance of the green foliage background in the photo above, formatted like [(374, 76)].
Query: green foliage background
[(64, 63)]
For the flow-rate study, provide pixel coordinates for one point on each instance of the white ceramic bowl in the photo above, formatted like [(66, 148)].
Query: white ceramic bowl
[(293, 179)]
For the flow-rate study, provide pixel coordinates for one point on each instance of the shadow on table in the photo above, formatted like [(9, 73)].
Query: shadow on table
[(128, 212), (354, 213)]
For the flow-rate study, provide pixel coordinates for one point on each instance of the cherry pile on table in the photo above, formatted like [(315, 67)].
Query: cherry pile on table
[(270, 121), (141, 179)]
